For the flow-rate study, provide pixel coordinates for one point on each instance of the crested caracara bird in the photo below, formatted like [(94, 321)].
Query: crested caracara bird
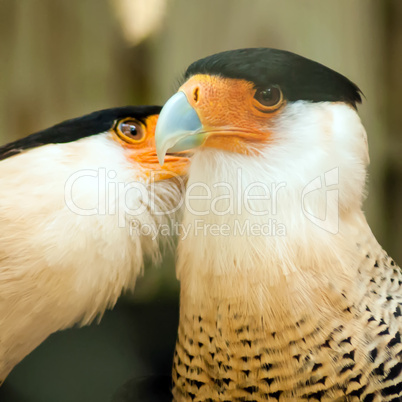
[(75, 199), (285, 293)]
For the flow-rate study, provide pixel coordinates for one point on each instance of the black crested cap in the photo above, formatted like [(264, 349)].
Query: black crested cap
[(298, 77), (80, 127)]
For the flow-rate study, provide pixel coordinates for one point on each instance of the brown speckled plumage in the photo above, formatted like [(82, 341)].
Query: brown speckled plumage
[(306, 362)]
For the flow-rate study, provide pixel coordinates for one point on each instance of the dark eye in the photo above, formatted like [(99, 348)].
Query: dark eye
[(130, 130), (269, 97)]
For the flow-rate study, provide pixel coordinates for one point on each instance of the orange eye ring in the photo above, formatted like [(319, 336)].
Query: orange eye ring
[(130, 130), (268, 99)]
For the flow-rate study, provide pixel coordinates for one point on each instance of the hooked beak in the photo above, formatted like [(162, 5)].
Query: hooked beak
[(215, 112), (179, 127)]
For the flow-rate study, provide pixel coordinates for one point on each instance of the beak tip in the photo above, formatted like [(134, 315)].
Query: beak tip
[(161, 159), (161, 153)]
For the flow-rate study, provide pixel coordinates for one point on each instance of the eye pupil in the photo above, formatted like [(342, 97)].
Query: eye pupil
[(133, 130), (266, 94)]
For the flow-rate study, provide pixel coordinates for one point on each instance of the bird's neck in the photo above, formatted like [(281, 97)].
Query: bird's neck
[(252, 282), (267, 241), (271, 285)]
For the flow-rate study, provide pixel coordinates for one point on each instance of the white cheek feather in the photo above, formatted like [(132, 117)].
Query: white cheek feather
[(301, 260), (59, 267)]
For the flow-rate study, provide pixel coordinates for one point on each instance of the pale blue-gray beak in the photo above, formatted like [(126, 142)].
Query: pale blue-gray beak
[(179, 127)]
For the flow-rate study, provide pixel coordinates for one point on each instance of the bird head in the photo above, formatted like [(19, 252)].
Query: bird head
[(293, 117), (131, 127)]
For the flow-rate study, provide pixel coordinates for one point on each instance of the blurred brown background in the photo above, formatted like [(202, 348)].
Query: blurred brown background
[(64, 58)]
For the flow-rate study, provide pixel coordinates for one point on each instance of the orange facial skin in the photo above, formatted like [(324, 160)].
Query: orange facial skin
[(227, 106), (143, 152)]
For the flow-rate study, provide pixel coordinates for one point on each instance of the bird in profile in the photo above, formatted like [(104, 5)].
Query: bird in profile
[(286, 295), (75, 198)]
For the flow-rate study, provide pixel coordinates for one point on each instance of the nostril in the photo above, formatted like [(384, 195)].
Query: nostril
[(196, 94)]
